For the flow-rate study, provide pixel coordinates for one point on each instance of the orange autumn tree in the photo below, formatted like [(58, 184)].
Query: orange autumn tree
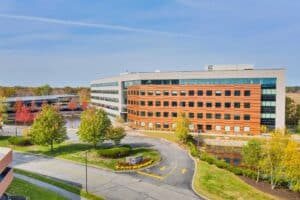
[(72, 106)]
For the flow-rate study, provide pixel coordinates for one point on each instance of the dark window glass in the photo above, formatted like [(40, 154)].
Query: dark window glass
[(191, 104), (199, 115), (227, 116), (174, 93), (247, 105), (208, 93), (199, 127), (157, 92), (182, 104), (208, 127), (150, 103), (246, 117), (200, 92), (218, 93), (182, 93), (157, 103), (208, 116), (218, 116), (237, 105), (236, 117), (150, 92), (218, 105), (208, 104), (166, 92), (174, 103), (200, 104), (157, 125), (174, 114), (166, 125), (142, 103), (237, 93), (247, 93), (166, 103), (227, 93), (191, 115), (143, 113), (166, 114), (157, 114), (191, 92), (150, 114), (227, 105)]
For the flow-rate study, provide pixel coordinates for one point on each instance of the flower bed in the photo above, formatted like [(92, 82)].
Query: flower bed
[(127, 166)]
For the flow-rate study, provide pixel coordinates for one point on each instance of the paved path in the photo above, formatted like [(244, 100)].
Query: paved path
[(175, 170), (67, 194)]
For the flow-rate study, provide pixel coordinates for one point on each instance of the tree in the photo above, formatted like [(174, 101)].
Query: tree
[(273, 156), (264, 129), (48, 127), (43, 90), (3, 110), (182, 127), (24, 115), (94, 126), (116, 134), (84, 98), (291, 164), (72, 105), (298, 127), (291, 117), (252, 155)]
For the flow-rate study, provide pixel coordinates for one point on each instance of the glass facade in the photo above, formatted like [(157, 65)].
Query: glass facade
[(105, 84)]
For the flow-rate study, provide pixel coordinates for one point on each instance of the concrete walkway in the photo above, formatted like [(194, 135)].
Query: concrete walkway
[(67, 194)]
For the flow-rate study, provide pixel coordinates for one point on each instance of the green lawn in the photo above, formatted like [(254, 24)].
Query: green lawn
[(168, 136), (219, 184), (76, 152), (32, 192)]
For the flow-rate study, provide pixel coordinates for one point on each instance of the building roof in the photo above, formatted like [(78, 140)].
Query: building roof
[(40, 98)]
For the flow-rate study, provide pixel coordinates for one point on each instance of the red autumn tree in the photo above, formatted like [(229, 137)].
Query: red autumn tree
[(24, 115), (72, 105)]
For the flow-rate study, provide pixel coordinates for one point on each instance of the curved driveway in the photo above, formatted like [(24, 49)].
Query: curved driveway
[(171, 179)]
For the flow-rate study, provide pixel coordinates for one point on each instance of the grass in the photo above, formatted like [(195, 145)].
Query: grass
[(217, 184), (168, 136), (60, 184), (76, 152), (31, 191), (295, 97)]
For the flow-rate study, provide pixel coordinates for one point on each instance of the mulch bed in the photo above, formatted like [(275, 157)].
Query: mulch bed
[(281, 193)]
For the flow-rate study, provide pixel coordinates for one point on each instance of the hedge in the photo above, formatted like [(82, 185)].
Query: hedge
[(115, 152), (19, 141)]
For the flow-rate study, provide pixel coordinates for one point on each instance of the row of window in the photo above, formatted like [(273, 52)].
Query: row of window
[(105, 91), (199, 104), (109, 99), (105, 84), (191, 115), (105, 106), (199, 127), (189, 92)]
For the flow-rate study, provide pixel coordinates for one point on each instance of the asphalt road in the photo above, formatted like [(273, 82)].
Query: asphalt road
[(171, 179)]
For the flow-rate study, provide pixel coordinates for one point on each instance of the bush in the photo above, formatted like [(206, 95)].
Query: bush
[(222, 164), (127, 166), (116, 152), (207, 158), (19, 141), (193, 149)]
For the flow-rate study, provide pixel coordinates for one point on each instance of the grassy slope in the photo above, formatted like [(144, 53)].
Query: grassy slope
[(32, 192), (295, 97)]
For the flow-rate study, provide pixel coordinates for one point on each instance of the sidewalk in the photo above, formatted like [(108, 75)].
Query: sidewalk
[(53, 188)]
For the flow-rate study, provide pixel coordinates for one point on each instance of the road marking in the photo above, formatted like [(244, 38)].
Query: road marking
[(183, 171), (162, 168), (151, 175)]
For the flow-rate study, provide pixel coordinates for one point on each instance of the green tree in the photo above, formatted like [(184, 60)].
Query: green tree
[(94, 126), (298, 127), (3, 110), (273, 156), (291, 117), (43, 90), (49, 127), (182, 128), (116, 134), (252, 155)]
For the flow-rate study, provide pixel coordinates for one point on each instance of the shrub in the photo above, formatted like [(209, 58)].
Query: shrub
[(127, 166), (249, 173), (235, 170), (116, 152), (193, 149), (19, 141), (207, 158), (222, 164)]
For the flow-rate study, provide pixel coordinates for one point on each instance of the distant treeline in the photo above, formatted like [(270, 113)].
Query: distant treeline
[(293, 89), (41, 90)]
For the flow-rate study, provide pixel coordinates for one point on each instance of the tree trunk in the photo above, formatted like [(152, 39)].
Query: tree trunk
[(258, 173), (51, 145)]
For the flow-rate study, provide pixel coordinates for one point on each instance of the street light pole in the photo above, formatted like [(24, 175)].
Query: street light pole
[(86, 175)]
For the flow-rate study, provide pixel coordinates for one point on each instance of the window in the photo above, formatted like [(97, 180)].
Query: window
[(208, 104), (218, 116), (142, 103), (142, 92), (236, 117), (218, 105), (157, 92), (174, 114), (182, 93), (227, 128), (157, 114), (166, 103), (150, 114), (150, 92), (174, 103), (218, 128), (174, 93), (208, 116), (237, 93), (227, 105), (247, 117), (191, 92), (227, 116), (208, 127), (236, 129), (191, 115), (237, 105), (157, 125), (227, 93), (157, 103), (143, 113), (247, 93), (166, 114), (200, 104), (173, 125), (166, 93), (150, 103), (166, 125), (218, 93), (182, 104), (191, 127), (200, 115), (208, 93), (247, 105), (142, 124), (199, 127), (191, 104), (150, 125), (200, 92), (247, 129)]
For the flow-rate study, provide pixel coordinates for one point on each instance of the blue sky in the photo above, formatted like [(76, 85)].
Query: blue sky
[(70, 42)]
